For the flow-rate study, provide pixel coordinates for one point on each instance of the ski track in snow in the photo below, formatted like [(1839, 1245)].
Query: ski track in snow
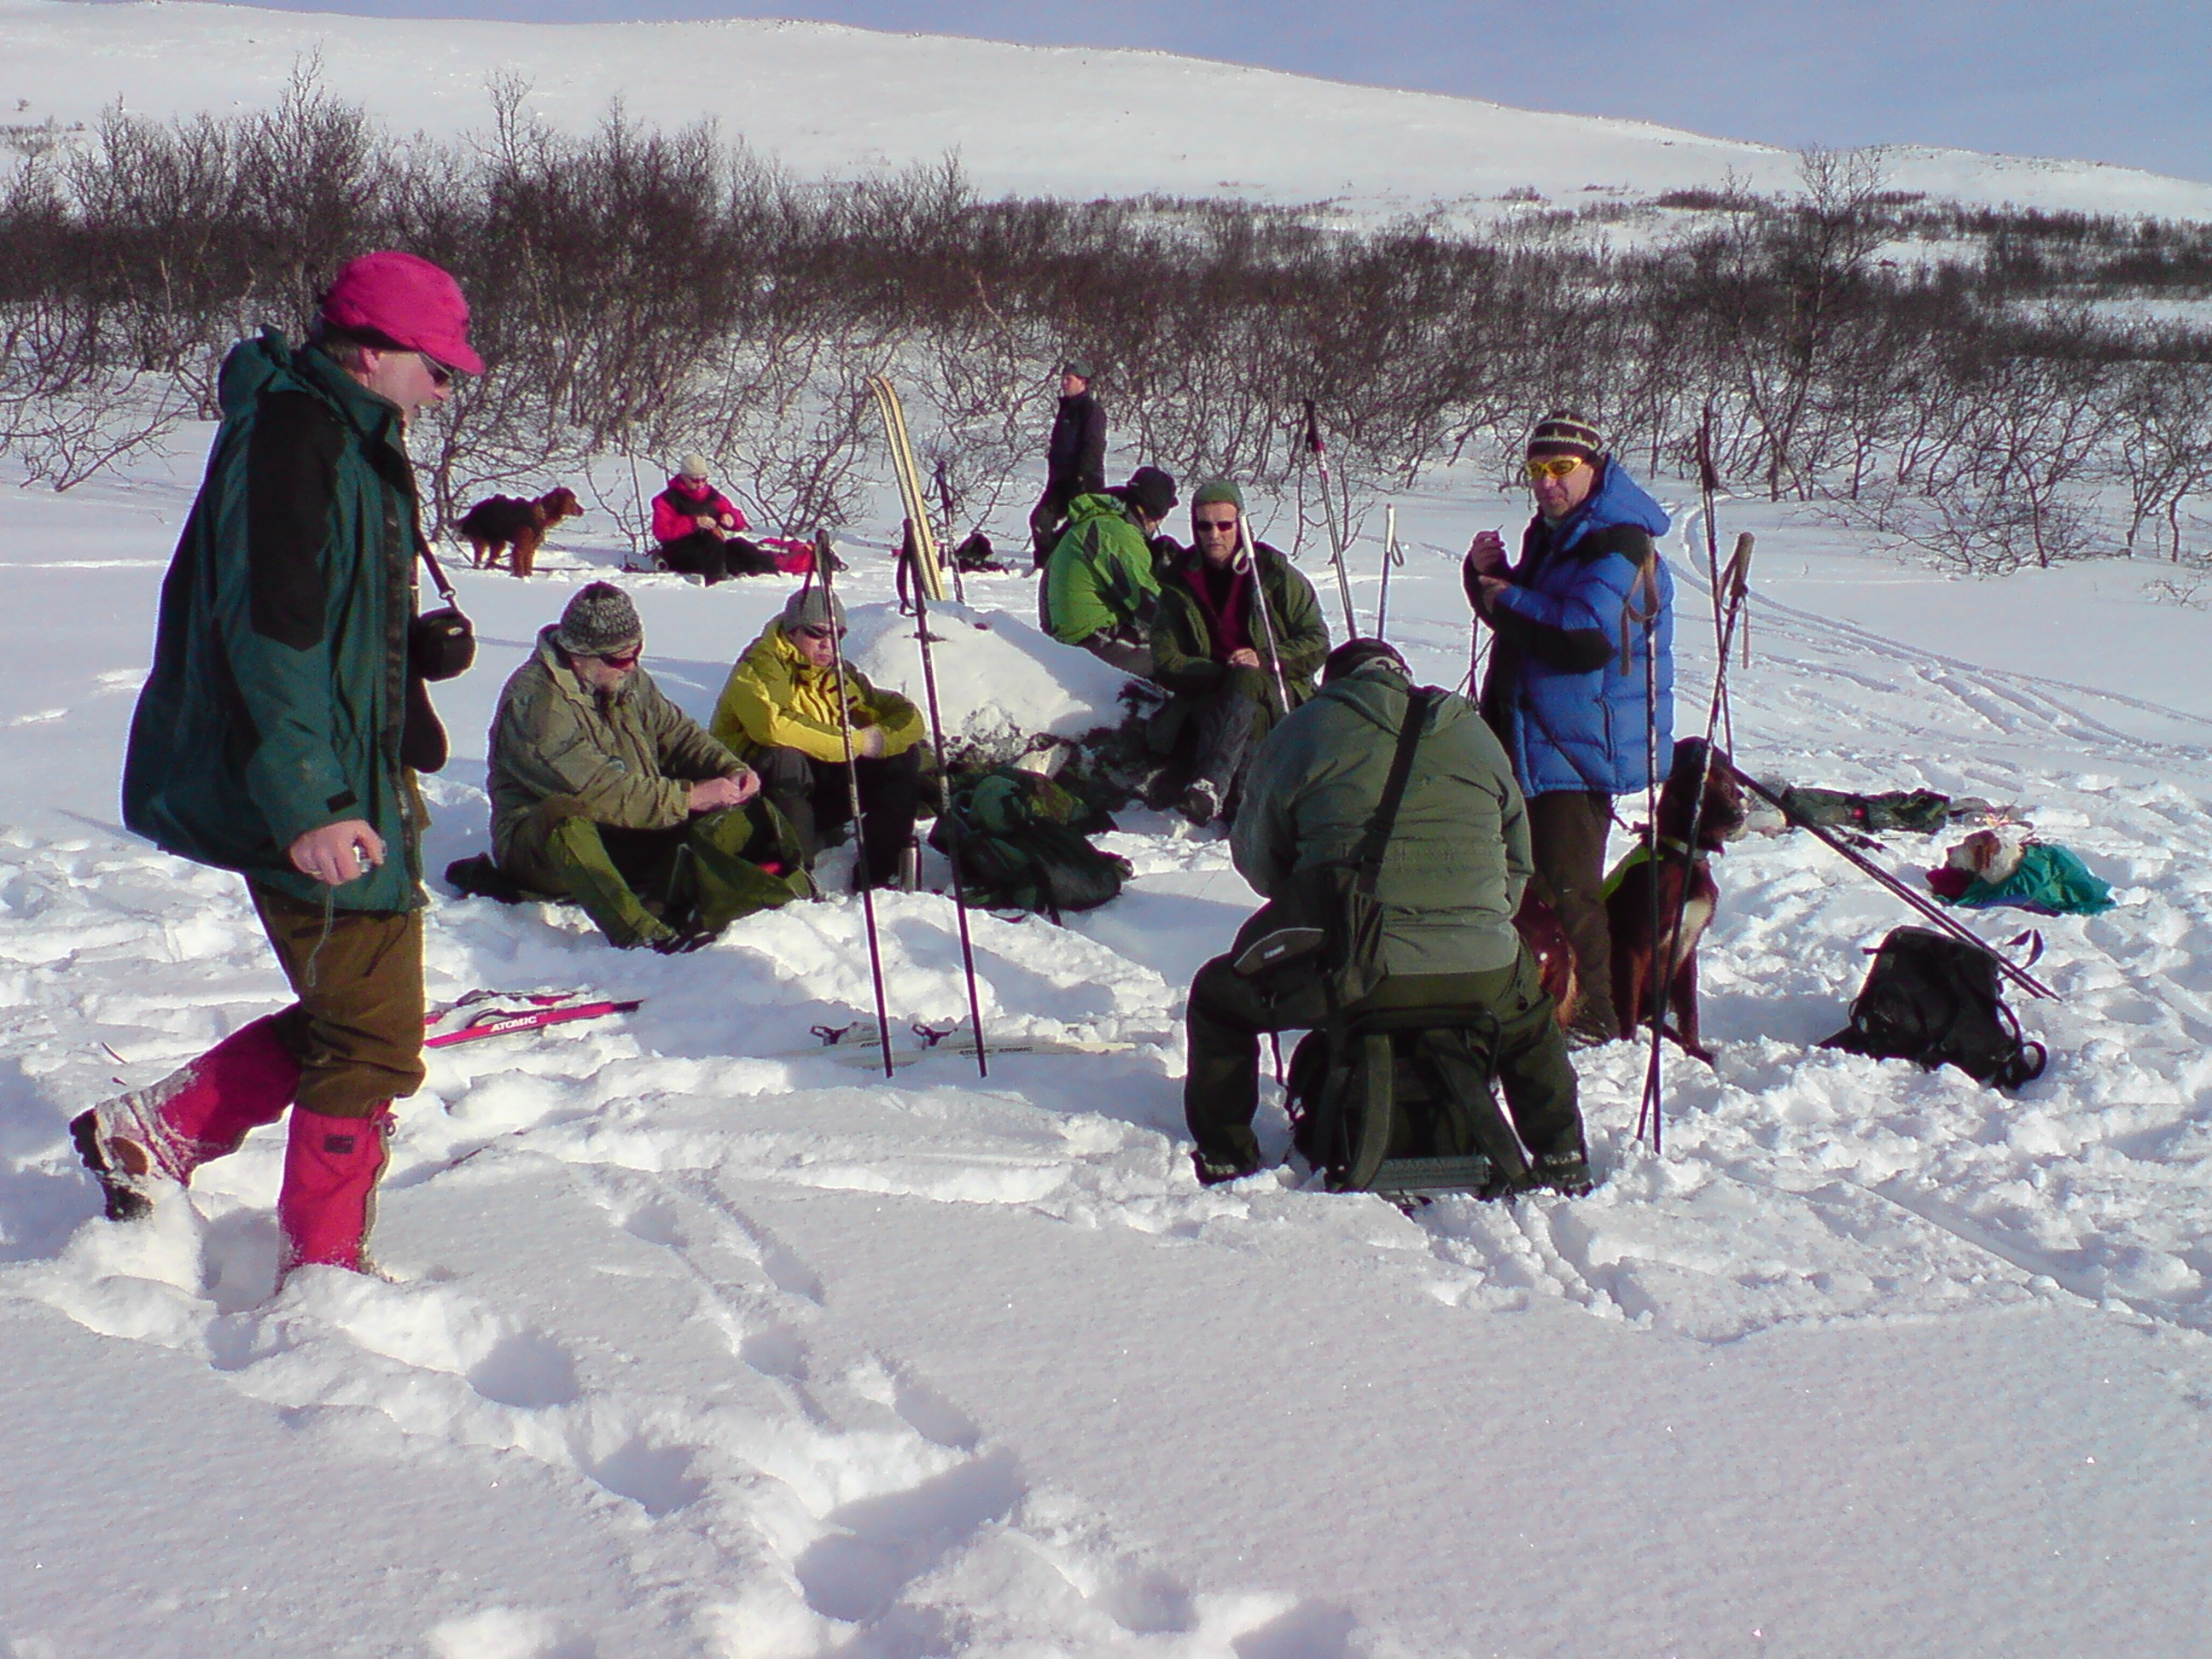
[(770, 1469)]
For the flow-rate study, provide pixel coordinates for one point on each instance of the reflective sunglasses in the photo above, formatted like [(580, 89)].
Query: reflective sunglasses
[(1552, 466), (626, 661), (1228, 525)]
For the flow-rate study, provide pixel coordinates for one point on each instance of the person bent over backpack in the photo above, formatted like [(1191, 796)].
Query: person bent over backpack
[(604, 792), (780, 709), (1450, 877)]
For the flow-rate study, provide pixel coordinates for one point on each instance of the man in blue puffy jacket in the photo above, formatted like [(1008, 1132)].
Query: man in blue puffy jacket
[(1577, 621)]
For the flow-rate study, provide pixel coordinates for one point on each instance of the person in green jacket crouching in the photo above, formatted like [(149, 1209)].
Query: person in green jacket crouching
[(1103, 579), (1450, 879), (1211, 646), (604, 792)]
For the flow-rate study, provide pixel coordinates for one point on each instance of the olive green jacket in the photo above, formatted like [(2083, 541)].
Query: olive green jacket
[(629, 756), (1458, 858), (1184, 657), (278, 691)]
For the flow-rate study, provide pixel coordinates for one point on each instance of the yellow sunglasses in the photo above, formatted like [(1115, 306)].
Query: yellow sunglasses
[(1541, 467)]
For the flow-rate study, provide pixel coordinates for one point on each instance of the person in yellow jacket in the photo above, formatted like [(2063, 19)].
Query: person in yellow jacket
[(779, 712)]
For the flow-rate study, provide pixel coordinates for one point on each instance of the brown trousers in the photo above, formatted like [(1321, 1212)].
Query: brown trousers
[(1566, 835), (357, 1027)]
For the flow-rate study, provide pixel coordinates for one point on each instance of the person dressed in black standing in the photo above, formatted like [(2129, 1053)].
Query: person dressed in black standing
[(1075, 456)]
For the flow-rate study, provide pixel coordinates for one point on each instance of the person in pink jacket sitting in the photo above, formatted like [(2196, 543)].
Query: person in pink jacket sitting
[(697, 527)]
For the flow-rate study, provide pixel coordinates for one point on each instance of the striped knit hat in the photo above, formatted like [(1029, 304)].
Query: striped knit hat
[(1562, 434)]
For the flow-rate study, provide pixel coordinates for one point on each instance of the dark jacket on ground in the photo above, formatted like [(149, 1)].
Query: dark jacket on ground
[(1571, 711), (629, 757), (278, 691), (1458, 857), (1075, 454)]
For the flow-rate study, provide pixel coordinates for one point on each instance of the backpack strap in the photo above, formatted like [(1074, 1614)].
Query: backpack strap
[(1372, 846)]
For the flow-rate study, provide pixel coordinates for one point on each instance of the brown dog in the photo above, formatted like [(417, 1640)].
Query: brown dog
[(499, 523), (1684, 878)]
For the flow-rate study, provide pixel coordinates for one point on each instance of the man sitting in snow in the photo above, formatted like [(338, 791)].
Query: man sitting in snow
[(1210, 643), (1450, 879), (697, 527), (604, 792), (781, 708), (1102, 580)]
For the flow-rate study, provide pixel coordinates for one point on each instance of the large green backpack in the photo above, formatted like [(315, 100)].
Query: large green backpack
[(1019, 841)]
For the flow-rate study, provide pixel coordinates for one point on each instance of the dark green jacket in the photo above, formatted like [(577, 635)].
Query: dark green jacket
[(279, 689), (1452, 876), (1183, 649), (630, 758)]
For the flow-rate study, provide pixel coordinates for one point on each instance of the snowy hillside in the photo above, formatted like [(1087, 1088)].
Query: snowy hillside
[(1066, 121), (703, 1344)]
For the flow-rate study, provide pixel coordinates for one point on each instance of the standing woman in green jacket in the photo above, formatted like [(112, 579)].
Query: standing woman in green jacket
[(278, 735)]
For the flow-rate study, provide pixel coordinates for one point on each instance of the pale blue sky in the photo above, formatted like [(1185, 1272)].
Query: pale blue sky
[(2130, 84)]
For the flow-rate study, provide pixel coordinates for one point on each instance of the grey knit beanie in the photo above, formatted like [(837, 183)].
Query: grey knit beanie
[(811, 606), (1215, 490), (694, 467), (599, 620)]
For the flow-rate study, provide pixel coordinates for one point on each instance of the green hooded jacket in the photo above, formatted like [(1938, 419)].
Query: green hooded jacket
[(1100, 576), (630, 756), (1458, 857), (1183, 652), (277, 695)]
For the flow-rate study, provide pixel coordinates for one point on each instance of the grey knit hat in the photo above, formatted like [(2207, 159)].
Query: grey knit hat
[(599, 620), (811, 606), (694, 467)]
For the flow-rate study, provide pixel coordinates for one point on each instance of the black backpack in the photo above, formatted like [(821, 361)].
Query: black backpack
[(1934, 999)]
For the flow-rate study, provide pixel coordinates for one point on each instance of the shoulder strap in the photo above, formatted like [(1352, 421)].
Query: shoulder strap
[(437, 575), (1417, 705)]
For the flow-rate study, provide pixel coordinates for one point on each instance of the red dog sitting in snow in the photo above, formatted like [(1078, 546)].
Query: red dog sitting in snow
[(498, 523)]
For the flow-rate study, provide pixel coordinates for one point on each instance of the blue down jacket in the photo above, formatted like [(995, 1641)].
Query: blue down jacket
[(1573, 718)]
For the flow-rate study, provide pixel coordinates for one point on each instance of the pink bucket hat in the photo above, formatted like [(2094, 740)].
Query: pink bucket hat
[(407, 300)]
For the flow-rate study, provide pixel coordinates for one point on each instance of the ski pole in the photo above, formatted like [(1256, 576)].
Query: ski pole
[(1708, 484), (825, 561), (950, 820), (944, 499), (1329, 507), (1649, 577), (1391, 556), (1926, 907), (1248, 557), (1737, 588)]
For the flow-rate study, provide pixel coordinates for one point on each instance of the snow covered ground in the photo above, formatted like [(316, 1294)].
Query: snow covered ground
[(701, 1343), (1045, 120)]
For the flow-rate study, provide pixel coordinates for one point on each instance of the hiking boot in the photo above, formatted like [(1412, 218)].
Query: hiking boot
[(682, 942), (1212, 1171), (1593, 1026), (1201, 803), (1567, 1174), (122, 1167)]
